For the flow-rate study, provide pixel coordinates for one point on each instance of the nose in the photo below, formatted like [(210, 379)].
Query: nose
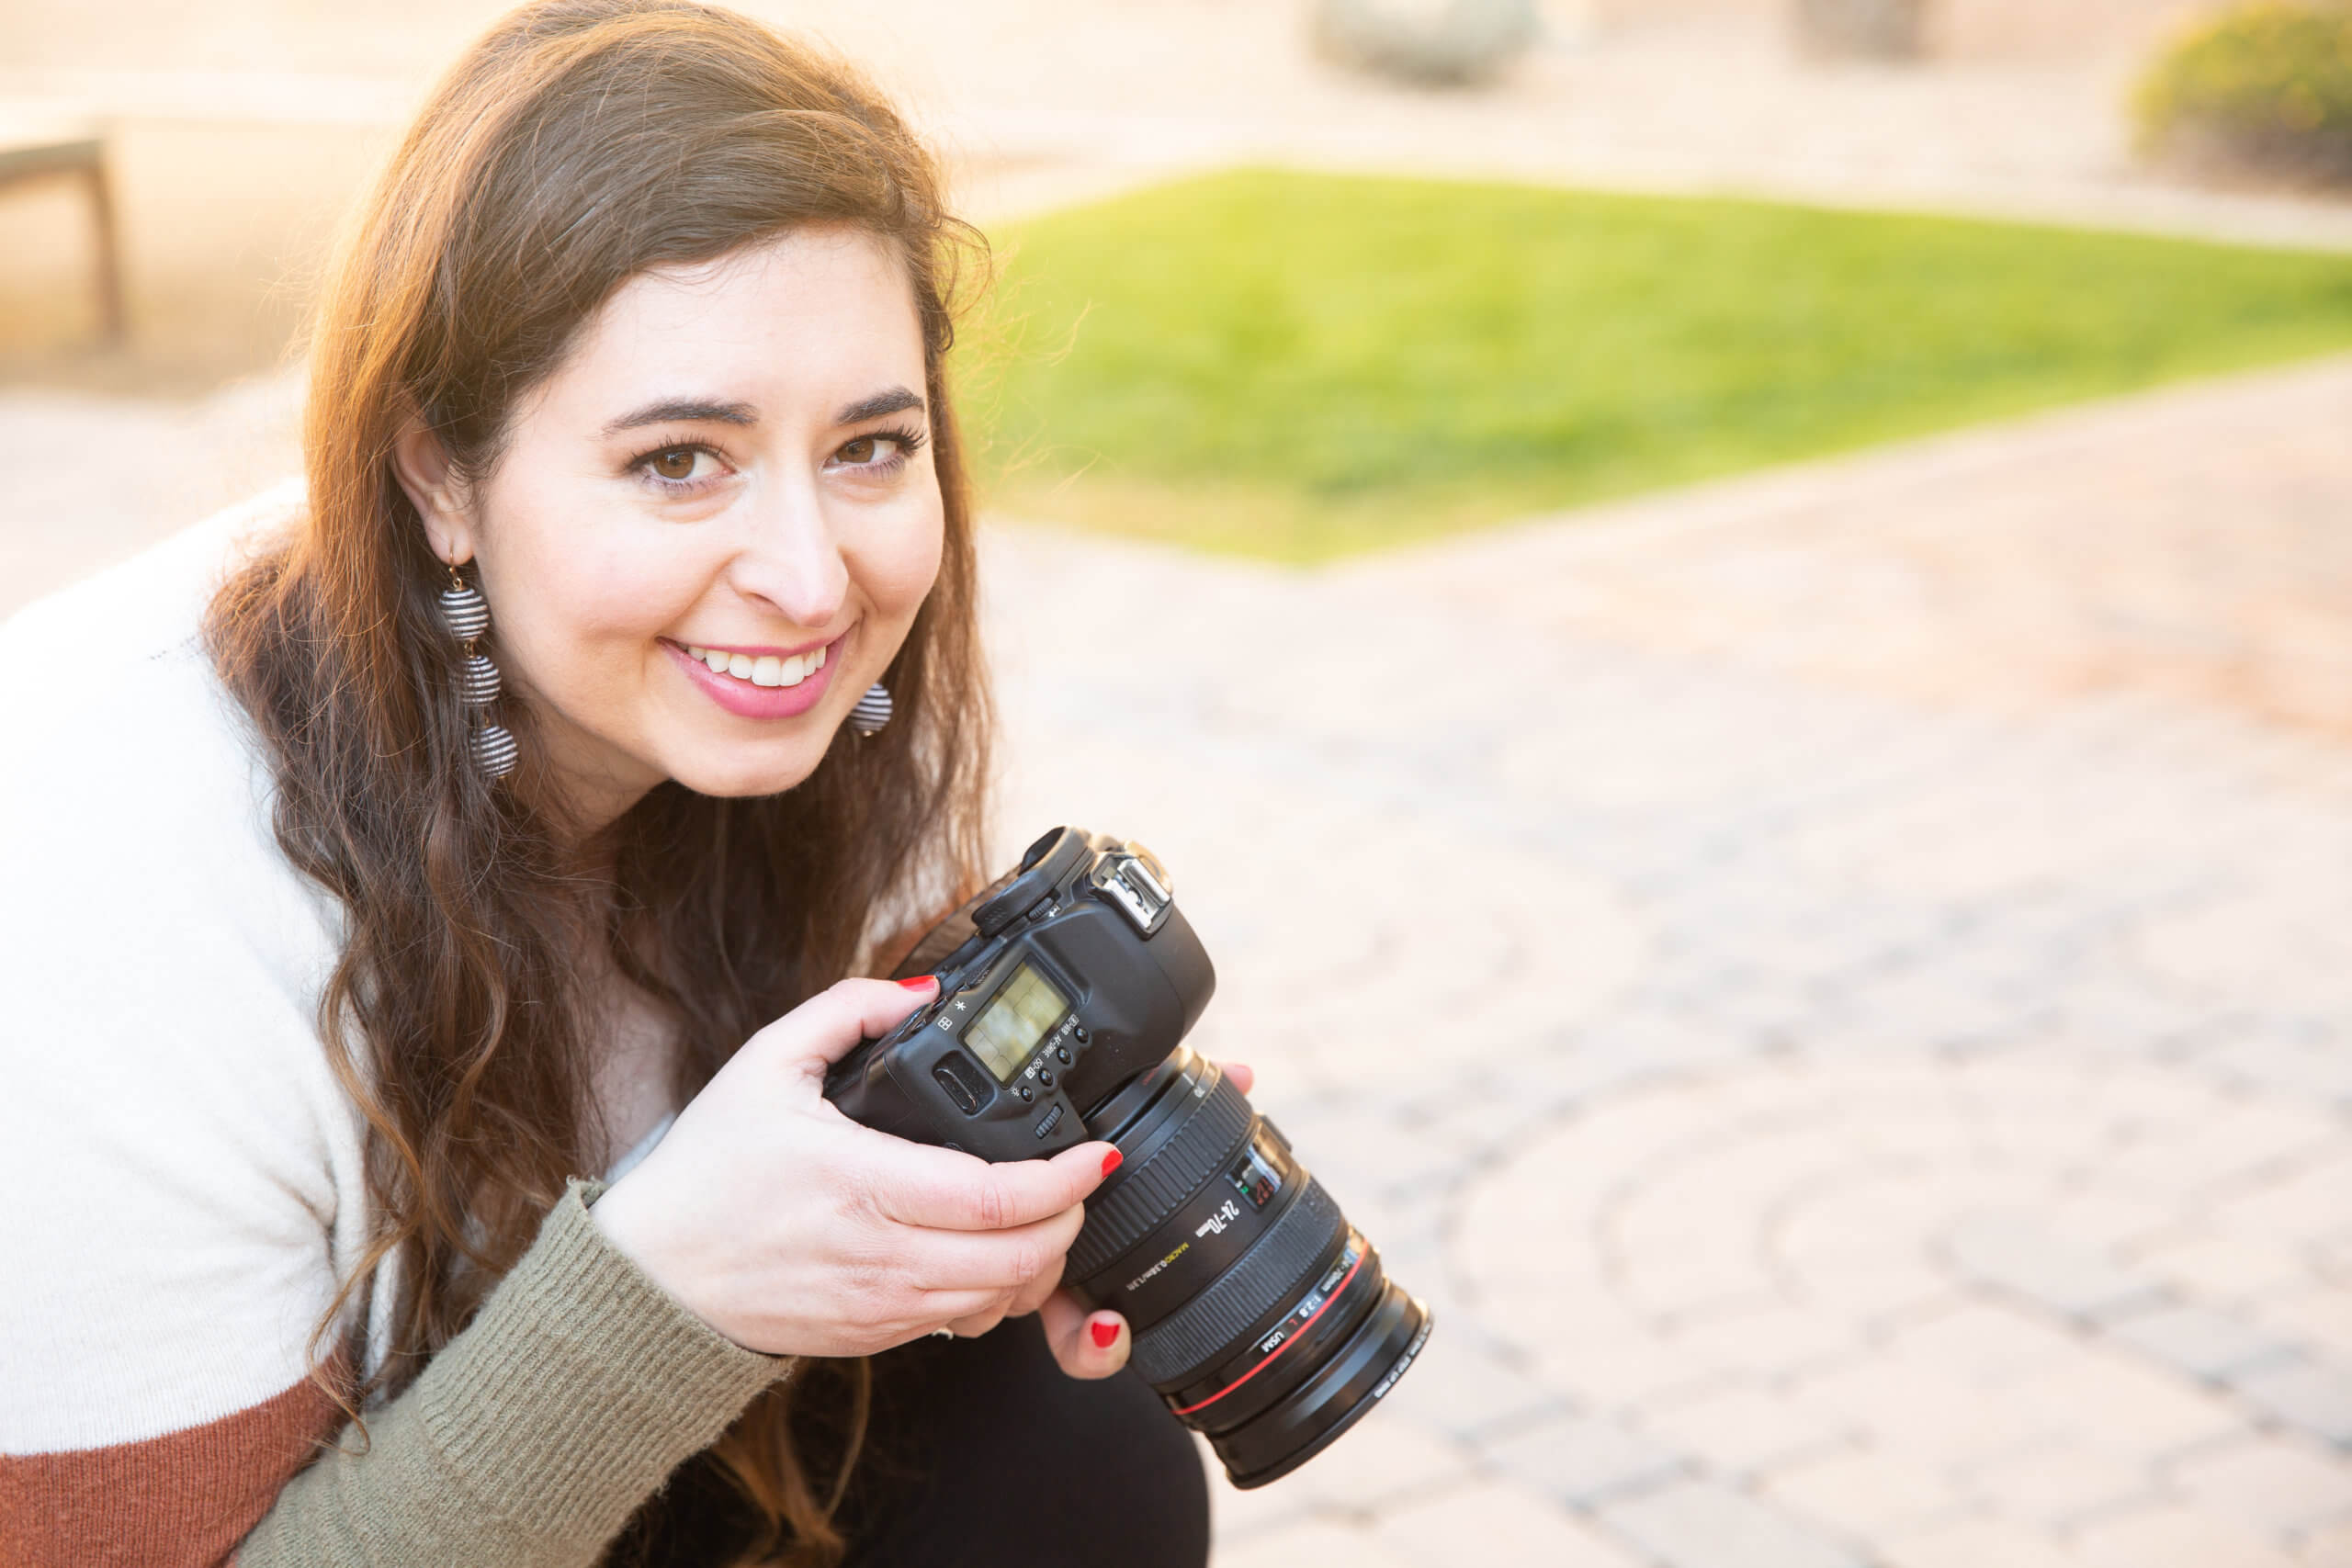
[(789, 559)]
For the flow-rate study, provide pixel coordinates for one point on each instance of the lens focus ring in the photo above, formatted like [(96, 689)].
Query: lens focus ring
[(1268, 1275), (1211, 1136)]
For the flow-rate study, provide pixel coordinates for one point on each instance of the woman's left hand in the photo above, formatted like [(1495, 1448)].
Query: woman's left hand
[(1095, 1344)]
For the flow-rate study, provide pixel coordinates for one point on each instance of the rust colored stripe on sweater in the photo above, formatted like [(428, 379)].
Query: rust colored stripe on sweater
[(183, 1500)]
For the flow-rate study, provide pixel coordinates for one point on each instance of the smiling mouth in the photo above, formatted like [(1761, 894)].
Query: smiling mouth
[(767, 669)]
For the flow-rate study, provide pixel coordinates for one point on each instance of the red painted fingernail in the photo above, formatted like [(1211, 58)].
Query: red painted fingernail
[(920, 983), (1105, 1330), (1112, 1162)]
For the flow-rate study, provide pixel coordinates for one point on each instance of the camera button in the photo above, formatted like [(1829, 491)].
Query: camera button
[(1045, 1077), (1077, 1032), (1061, 1054), (963, 1084), (1026, 1092)]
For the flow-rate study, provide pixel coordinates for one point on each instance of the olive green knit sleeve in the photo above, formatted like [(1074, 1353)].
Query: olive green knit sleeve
[(534, 1435)]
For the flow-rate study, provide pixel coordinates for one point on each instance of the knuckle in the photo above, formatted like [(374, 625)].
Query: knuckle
[(870, 1280), (857, 1195), (829, 1009)]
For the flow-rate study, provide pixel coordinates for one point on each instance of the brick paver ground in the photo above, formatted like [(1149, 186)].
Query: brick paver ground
[(1841, 1116)]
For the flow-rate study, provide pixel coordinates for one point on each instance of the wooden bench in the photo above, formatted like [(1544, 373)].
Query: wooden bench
[(27, 153)]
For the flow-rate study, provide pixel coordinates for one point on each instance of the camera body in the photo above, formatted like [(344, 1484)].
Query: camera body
[(1057, 985), (1262, 1319)]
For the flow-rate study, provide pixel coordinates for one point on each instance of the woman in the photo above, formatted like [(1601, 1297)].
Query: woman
[(377, 884)]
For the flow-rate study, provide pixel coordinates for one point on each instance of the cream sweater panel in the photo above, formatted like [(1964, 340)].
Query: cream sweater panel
[(182, 1170)]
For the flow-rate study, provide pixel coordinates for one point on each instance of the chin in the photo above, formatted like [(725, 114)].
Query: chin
[(740, 777)]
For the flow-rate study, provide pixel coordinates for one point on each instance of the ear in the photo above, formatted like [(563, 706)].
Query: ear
[(421, 464)]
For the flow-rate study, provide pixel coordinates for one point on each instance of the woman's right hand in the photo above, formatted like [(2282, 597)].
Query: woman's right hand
[(792, 1230)]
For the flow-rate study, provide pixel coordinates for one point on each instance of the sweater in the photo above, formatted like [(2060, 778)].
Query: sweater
[(184, 1175)]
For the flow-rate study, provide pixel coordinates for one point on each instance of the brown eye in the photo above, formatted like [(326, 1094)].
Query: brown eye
[(677, 463), (860, 451)]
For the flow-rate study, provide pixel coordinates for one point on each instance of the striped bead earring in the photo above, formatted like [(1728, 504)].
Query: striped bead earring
[(872, 713), (467, 614)]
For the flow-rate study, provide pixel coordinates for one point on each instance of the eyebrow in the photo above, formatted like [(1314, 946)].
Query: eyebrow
[(894, 400), (682, 411)]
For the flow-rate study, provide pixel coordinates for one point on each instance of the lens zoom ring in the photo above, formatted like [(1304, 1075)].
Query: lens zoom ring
[(1209, 1137), (1269, 1273)]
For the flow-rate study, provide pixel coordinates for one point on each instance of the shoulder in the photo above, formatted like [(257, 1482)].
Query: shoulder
[(107, 679), (181, 1159), (139, 804)]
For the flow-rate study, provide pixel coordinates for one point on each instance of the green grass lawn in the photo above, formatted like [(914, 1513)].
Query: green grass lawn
[(1301, 365)]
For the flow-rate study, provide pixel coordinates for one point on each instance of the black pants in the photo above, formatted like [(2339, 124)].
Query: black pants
[(982, 1453), (1006, 1460)]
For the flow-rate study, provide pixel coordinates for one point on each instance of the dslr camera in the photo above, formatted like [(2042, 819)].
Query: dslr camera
[(1261, 1317)]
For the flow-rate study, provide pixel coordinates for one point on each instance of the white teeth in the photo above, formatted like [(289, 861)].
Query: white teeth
[(764, 669)]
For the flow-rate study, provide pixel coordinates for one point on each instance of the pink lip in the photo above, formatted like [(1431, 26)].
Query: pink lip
[(747, 700)]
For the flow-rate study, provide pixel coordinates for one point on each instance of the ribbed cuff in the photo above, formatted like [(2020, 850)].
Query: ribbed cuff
[(581, 1385)]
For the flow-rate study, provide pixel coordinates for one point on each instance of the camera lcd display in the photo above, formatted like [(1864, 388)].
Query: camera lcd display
[(1010, 1026)]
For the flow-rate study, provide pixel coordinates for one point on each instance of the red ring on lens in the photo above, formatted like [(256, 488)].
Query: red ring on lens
[(1337, 1291)]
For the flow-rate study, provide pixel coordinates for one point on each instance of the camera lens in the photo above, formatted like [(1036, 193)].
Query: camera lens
[(1261, 1317)]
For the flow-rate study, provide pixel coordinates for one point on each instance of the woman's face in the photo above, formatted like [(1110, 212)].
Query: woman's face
[(711, 528)]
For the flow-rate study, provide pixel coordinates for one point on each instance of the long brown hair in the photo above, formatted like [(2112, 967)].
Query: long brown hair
[(578, 143)]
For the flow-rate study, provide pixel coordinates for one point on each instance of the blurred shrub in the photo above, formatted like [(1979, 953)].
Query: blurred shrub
[(1868, 29), (1449, 43), (2265, 85)]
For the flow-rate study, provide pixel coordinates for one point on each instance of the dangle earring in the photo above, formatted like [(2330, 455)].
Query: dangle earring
[(467, 614), (871, 712)]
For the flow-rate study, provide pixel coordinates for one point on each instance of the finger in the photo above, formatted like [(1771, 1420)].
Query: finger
[(994, 1260), (937, 1189), (928, 1310), (1244, 1075), (973, 1326), (823, 1028), (1087, 1344), (1031, 1296)]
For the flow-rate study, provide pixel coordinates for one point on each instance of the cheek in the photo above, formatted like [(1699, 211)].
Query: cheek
[(594, 611), (897, 570)]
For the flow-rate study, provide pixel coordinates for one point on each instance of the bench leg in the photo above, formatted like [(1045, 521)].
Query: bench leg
[(111, 322)]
